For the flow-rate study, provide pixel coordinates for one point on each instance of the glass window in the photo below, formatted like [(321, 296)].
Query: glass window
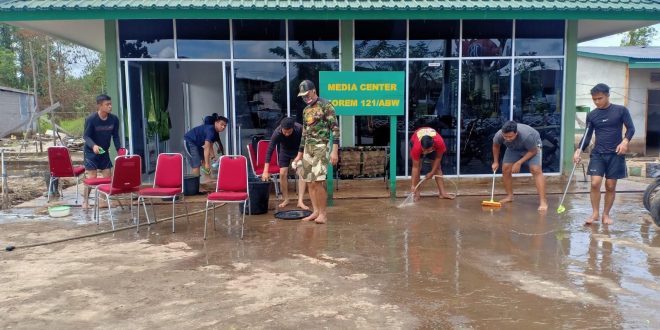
[(380, 39), (259, 39), (375, 130), (487, 38), (260, 99), (315, 39), (537, 103), (484, 108), (433, 38), (146, 38), (202, 38), (299, 71), (433, 102), (539, 37)]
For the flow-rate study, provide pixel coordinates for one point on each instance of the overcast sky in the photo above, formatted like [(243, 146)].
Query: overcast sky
[(615, 40)]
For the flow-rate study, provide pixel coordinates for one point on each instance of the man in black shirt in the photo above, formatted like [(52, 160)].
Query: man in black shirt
[(100, 127), (287, 136), (608, 155)]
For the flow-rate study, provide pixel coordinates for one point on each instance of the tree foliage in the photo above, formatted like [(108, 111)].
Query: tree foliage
[(639, 37), (77, 73)]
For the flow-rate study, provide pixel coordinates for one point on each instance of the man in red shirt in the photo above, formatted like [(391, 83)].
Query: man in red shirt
[(426, 154)]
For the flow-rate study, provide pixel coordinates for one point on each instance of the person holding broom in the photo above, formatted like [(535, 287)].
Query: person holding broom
[(523, 146), (426, 154), (607, 158)]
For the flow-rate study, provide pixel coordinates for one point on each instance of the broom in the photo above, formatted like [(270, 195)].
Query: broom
[(491, 202), (561, 209)]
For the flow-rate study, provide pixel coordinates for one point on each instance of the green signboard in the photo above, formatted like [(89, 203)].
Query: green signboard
[(364, 93)]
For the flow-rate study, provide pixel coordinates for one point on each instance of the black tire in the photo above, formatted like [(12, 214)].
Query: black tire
[(655, 210), (651, 191)]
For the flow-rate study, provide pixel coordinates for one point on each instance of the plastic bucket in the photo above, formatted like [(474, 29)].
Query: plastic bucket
[(259, 194), (190, 185)]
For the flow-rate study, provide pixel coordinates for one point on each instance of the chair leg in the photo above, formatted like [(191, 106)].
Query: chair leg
[(137, 223), (131, 206), (50, 187), (146, 212), (96, 207), (206, 217), (173, 199), (112, 220), (214, 217), (77, 191), (186, 206), (243, 221)]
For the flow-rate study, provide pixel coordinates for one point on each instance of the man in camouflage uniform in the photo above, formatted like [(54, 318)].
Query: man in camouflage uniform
[(319, 120)]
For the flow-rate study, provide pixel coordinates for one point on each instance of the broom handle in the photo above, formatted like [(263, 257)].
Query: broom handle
[(492, 190), (570, 177)]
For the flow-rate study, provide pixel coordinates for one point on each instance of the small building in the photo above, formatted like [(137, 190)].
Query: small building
[(469, 65), (633, 74), (16, 106)]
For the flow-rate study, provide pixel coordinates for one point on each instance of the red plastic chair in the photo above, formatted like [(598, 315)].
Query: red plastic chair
[(92, 183), (126, 180), (260, 156), (59, 161), (232, 187), (168, 184)]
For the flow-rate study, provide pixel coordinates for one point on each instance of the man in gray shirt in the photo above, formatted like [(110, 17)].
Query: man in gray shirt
[(523, 145)]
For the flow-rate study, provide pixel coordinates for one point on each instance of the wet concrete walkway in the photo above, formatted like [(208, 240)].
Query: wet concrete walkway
[(438, 264)]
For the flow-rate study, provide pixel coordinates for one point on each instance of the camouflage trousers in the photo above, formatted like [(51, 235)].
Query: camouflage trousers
[(315, 162)]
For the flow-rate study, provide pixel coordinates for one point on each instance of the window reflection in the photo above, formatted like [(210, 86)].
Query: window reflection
[(433, 102), (535, 37), (484, 108), (202, 38), (259, 39), (148, 38), (260, 98), (537, 103), (380, 39), (487, 38), (299, 71), (432, 38), (313, 39)]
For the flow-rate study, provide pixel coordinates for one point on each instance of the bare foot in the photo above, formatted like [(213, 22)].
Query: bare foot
[(543, 206), (311, 217), (416, 197), (607, 220), (321, 219), (446, 196), (507, 199), (283, 204), (303, 206), (85, 206), (593, 218)]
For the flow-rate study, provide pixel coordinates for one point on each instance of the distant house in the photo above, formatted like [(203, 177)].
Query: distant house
[(15, 107), (633, 73)]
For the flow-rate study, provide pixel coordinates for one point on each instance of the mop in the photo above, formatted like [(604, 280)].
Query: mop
[(491, 202), (410, 199), (561, 209)]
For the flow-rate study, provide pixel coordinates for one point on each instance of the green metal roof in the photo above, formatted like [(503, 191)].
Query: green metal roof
[(636, 57), (336, 9)]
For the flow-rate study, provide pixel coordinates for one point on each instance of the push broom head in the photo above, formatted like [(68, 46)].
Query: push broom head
[(561, 209), (491, 203)]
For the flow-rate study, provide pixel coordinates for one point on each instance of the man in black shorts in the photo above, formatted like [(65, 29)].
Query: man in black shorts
[(100, 127), (607, 157), (287, 136)]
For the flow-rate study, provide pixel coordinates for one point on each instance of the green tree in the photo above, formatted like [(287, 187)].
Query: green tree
[(639, 37)]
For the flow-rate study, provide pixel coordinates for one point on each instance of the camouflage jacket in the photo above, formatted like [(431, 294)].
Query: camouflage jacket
[(319, 119)]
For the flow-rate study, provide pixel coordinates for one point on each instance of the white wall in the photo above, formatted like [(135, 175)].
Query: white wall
[(206, 97)]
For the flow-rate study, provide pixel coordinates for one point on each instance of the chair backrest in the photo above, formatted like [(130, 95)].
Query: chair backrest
[(59, 161), (262, 148), (232, 175), (127, 173), (169, 171), (253, 157)]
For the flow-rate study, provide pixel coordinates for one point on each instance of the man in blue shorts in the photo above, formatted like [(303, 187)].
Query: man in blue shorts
[(199, 144), (100, 127), (608, 155), (287, 136), (523, 146)]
